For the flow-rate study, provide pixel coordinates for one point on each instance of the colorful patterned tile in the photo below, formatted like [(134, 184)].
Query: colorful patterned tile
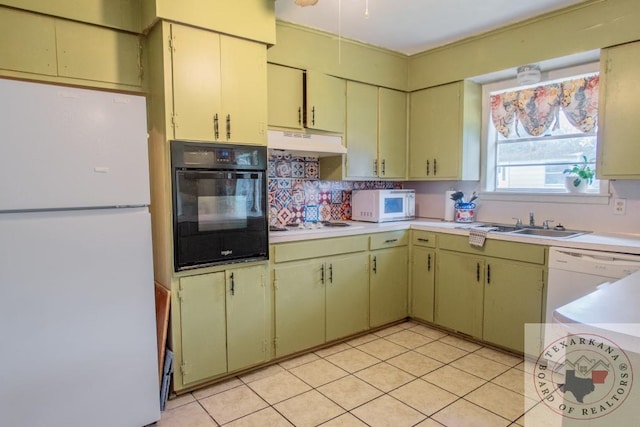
[(337, 212), (271, 171), (297, 169), (282, 198), (324, 197), (297, 197), (325, 212), (298, 212), (346, 197), (312, 169), (311, 159), (283, 169), (297, 184), (273, 215), (324, 185), (336, 196), (312, 213), (283, 183), (285, 216), (273, 185)]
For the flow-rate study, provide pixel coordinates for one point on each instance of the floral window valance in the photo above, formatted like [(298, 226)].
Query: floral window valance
[(537, 108)]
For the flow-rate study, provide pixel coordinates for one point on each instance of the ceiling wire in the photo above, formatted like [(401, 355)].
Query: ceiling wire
[(339, 32)]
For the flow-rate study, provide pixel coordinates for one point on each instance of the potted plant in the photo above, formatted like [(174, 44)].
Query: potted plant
[(579, 176)]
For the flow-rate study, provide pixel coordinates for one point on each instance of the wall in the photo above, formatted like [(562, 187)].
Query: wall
[(296, 194), (592, 217), (591, 25)]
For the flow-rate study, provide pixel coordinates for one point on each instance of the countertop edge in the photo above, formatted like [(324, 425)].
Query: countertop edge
[(591, 241)]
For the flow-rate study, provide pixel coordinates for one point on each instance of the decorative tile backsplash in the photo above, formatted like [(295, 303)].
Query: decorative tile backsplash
[(296, 194)]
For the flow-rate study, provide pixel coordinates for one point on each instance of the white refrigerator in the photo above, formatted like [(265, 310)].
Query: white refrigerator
[(77, 310)]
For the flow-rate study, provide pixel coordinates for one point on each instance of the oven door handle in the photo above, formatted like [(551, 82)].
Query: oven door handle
[(195, 175)]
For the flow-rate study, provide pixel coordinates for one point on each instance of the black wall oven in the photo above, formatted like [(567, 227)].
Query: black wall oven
[(219, 204)]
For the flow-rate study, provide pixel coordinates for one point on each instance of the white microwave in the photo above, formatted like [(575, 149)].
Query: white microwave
[(383, 205)]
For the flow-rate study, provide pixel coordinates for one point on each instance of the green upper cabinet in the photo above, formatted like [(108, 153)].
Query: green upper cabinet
[(284, 94), (325, 106), (619, 107), (43, 48), (248, 19), (444, 132), (376, 132), (29, 43), (219, 87), (362, 130), (392, 133)]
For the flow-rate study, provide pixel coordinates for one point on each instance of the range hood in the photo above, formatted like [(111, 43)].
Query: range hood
[(305, 144)]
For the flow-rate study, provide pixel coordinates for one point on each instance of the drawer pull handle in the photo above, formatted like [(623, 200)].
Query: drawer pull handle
[(489, 274), (391, 240), (330, 273), (420, 239), (375, 265), (478, 272), (322, 274), (233, 284), (429, 262)]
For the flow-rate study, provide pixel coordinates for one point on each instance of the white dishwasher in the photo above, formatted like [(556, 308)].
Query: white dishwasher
[(574, 273)]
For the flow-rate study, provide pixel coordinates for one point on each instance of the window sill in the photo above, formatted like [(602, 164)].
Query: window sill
[(576, 198)]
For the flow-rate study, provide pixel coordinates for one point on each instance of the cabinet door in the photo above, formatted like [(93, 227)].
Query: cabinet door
[(459, 292), (247, 319), (619, 105), (435, 132), (203, 329), (388, 285), (196, 84), (93, 53), (423, 267), (392, 133), (513, 297), (362, 130), (326, 102), (347, 295), (284, 96), (299, 306), (29, 42), (244, 91)]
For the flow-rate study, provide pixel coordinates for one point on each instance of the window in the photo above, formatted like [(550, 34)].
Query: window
[(536, 132)]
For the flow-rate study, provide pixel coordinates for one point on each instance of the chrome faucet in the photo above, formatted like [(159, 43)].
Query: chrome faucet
[(532, 220)]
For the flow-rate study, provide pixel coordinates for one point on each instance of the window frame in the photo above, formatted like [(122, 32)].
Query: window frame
[(487, 165)]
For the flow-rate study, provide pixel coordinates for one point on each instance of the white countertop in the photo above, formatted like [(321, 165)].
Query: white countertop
[(625, 243)]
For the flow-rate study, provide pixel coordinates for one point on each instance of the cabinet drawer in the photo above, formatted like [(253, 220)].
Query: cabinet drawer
[(389, 240), (423, 238), (495, 248), (318, 248)]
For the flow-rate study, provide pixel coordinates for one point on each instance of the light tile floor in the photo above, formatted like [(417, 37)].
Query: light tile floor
[(405, 375)]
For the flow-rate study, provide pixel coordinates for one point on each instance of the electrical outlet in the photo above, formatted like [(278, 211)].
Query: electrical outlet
[(619, 206)]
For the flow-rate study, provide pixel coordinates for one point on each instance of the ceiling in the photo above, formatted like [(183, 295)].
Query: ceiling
[(412, 26)]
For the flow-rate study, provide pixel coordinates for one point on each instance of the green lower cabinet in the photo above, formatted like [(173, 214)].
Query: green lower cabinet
[(299, 306), (203, 327), (223, 323), (247, 317), (512, 297), (488, 298), (320, 300), (347, 295), (459, 292), (388, 285), (423, 268)]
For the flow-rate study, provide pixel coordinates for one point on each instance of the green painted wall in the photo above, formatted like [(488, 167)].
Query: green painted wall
[(591, 25), (305, 48)]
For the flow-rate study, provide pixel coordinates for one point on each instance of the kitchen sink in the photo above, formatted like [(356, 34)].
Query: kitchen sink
[(549, 232)]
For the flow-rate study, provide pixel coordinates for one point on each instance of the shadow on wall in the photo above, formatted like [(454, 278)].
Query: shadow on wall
[(296, 193)]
